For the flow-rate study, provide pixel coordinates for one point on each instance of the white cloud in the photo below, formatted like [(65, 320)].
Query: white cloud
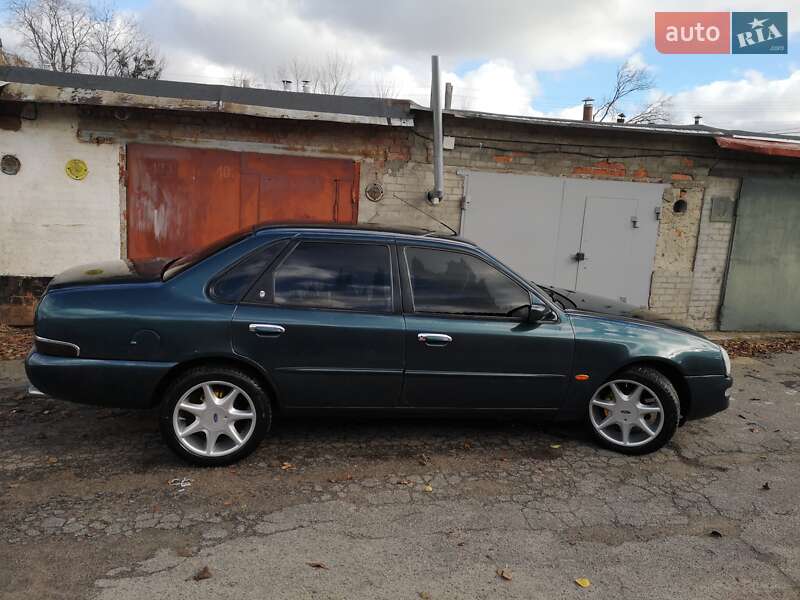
[(505, 43), (752, 102), (495, 86)]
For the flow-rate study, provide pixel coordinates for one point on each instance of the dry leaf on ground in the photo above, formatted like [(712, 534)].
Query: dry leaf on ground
[(583, 582), (317, 565), (204, 573), (15, 342), (760, 347), (428, 488), (287, 466), (504, 573)]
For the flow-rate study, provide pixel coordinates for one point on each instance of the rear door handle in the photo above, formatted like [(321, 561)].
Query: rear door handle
[(434, 339), (266, 330)]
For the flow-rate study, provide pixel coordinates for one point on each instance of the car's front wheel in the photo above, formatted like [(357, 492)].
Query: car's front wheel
[(213, 416), (635, 412)]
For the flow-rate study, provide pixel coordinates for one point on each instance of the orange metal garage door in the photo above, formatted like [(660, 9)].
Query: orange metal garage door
[(180, 199)]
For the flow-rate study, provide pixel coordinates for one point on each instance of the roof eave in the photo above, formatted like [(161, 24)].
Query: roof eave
[(48, 94)]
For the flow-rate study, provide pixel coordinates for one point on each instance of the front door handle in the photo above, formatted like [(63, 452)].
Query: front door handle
[(266, 330), (434, 339)]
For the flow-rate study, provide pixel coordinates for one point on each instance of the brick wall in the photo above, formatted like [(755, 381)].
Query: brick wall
[(713, 246), (691, 251)]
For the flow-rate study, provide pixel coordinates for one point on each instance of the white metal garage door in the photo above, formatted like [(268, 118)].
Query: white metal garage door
[(595, 236)]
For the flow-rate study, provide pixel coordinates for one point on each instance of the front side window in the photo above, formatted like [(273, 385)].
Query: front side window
[(331, 275), (456, 283)]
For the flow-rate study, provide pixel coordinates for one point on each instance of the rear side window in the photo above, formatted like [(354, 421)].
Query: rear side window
[(231, 285), (330, 275), (456, 283), (181, 264)]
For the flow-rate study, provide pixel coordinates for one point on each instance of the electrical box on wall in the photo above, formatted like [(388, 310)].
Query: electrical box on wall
[(721, 209)]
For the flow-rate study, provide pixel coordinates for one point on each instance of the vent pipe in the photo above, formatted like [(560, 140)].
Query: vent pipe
[(305, 83), (437, 193), (448, 96), (697, 119), (287, 85), (588, 109), (621, 118)]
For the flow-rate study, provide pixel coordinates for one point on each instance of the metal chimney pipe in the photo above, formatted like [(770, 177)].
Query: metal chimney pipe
[(437, 193), (588, 109), (697, 119), (621, 118), (287, 85), (305, 83), (448, 96)]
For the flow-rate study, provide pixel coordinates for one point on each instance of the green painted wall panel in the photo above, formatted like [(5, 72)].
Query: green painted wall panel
[(762, 291)]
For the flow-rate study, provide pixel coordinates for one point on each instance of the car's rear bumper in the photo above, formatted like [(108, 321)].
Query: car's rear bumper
[(708, 394), (113, 383)]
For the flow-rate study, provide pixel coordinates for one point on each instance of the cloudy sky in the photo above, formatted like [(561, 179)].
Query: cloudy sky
[(528, 57)]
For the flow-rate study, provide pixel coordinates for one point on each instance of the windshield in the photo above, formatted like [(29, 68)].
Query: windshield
[(172, 268)]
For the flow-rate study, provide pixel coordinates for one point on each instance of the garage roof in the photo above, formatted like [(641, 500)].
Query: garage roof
[(772, 144), (38, 85)]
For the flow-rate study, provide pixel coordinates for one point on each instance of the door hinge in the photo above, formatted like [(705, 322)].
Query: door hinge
[(579, 256)]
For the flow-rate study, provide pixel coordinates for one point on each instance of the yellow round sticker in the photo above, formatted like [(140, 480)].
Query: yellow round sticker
[(77, 169)]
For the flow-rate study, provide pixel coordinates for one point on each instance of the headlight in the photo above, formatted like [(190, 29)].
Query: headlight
[(726, 360)]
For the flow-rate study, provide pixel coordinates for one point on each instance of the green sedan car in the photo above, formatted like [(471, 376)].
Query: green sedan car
[(321, 319)]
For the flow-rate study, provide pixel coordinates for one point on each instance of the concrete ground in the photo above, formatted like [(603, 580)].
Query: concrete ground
[(92, 505)]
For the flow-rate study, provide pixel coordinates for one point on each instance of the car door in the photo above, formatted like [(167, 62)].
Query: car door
[(325, 323), (463, 350)]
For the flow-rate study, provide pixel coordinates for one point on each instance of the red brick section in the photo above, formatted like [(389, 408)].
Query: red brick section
[(602, 168), (681, 177), (19, 296)]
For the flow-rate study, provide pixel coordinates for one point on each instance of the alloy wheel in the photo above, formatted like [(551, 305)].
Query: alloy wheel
[(214, 418), (626, 413)]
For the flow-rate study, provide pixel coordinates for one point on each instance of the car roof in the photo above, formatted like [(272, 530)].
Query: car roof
[(369, 229)]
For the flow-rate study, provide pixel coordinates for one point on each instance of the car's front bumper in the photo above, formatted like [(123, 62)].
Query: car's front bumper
[(708, 394), (113, 383)]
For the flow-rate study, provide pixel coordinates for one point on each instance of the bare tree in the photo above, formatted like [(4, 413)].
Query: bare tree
[(57, 32), (138, 63), (384, 88), (295, 71), (333, 75), (73, 36), (658, 111), (11, 59), (632, 80), (241, 79)]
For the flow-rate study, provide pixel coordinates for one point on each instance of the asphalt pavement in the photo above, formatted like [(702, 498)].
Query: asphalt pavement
[(93, 505)]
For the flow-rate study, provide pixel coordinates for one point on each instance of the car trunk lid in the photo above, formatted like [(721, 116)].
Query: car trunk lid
[(110, 272)]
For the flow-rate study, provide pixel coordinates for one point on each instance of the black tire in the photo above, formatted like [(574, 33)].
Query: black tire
[(662, 387), (230, 376)]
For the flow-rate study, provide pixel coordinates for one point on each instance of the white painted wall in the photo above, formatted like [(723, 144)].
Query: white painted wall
[(49, 222)]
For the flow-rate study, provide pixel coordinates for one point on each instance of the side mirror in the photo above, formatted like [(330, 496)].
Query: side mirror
[(538, 312)]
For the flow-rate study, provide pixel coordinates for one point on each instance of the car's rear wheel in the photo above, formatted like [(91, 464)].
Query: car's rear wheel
[(214, 416), (635, 412)]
